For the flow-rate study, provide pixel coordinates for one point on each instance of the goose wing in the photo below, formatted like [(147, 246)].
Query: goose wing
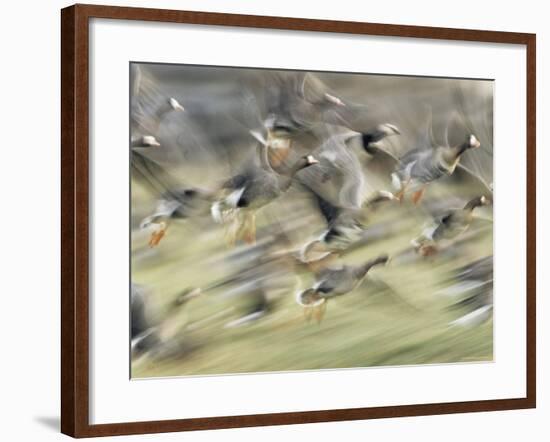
[(338, 178), (183, 146)]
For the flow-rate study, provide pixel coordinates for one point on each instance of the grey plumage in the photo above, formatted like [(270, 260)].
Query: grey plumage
[(426, 164), (296, 101), (450, 224), (180, 204), (471, 288), (257, 185), (333, 282), (338, 178)]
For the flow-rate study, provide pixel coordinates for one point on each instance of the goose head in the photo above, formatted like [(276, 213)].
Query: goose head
[(310, 160), (378, 197), (382, 259), (146, 141), (362, 270), (471, 142), (309, 298), (371, 137), (453, 153), (305, 161), (478, 202), (174, 104)]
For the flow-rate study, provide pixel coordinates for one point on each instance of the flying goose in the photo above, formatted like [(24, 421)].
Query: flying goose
[(344, 226), (161, 338), (294, 104), (149, 104), (181, 203), (471, 288), (257, 185), (371, 138), (419, 167), (451, 224), (334, 282)]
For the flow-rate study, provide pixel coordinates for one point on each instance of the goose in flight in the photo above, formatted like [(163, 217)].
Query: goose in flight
[(333, 282), (163, 337), (256, 186), (344, 226), (420, 167), (471, 286), (450, 225), (294, 104)]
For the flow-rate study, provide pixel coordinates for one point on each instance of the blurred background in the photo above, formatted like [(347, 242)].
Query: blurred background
[(419, 308)]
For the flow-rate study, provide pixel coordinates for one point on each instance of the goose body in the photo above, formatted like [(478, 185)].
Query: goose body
[(344, 226), (450, 225), (164, 337), (471, 288), (255, 187), (335, 282), (420, 167)]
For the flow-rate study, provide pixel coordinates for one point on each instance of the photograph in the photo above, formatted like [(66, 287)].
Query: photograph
[(288, 220)]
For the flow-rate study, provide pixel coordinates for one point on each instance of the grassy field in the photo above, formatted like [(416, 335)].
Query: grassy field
[(368, 327)]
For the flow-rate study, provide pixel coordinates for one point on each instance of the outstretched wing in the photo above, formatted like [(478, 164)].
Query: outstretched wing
[(338, 178)]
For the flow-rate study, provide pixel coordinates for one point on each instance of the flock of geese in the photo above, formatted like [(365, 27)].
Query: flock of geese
[(301, 141)]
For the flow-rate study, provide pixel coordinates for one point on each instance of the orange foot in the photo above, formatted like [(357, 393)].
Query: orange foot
[(417, 196), (248, 234), (400, 195), (156, 237), (428, 250), (249, 238)]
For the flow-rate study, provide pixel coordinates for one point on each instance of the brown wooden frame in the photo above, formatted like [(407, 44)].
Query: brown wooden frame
[(74, 216)]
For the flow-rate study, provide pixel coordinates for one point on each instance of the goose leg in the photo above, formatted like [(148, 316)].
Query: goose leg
[(320, 312), (157, 235), (400, 194), (232, 231), (427, 250), (249, 228), (417, 196)]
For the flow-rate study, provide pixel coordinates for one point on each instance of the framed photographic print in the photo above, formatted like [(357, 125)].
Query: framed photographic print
[(307, 220)]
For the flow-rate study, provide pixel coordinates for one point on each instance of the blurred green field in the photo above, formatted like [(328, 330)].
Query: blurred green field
[(365, 328)]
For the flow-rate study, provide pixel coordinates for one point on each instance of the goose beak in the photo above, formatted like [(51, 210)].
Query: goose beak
[(311, 160), (473, 142), (151, 141), (175, 105), (485, 201), (334, 100), (158, 234)]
